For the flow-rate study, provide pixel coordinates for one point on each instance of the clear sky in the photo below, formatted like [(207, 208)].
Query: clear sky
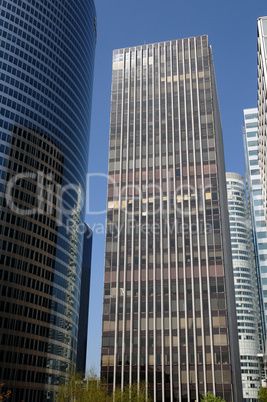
[(232, 30)]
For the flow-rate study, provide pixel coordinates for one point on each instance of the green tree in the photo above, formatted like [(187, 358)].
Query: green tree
[(208, 397), (76, 388), (262, 395), (132, 393)]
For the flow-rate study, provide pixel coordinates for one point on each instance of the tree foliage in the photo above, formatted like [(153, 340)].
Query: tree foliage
[(79, 389), (4, 394), (76, 388), (262, 395), (208, 397), (132, 393)]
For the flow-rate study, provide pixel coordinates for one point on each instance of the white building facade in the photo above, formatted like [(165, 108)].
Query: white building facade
[(246, 290), (255, 199), (262, 105)]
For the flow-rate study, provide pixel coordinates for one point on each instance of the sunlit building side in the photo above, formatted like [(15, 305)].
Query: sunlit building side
[(255, 203), (246, 288), (262, 106)]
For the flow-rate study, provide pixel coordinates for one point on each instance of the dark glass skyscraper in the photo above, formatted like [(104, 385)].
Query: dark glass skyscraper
[(169, 307), (46, 74)]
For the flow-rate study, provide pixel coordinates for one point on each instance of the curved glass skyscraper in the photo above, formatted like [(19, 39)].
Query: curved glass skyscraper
[(46, 68), (246, 289)]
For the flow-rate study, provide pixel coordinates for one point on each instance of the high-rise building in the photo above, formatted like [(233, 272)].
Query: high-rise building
[(262, 106), (169, 307), (46, 69), (246, 288), (84, 300), (255, 201)]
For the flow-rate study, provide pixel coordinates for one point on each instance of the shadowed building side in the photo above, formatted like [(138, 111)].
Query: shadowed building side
[(84, 300)]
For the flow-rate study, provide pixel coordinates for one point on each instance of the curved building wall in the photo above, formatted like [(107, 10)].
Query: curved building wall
[(46, 73), (246, 293)]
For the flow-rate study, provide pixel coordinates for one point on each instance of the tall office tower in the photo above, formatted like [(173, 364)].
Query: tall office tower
[(262, 106), (169, 313), (246, 288), (254, 193), (84, 300), (46, 69)]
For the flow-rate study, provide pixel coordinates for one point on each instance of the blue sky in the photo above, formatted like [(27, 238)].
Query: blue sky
[(232, 30)]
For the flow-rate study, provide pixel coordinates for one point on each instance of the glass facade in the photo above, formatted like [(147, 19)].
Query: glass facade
[(246, 288), (46, 68), (262, 106), (169, 313), (254, 193)]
